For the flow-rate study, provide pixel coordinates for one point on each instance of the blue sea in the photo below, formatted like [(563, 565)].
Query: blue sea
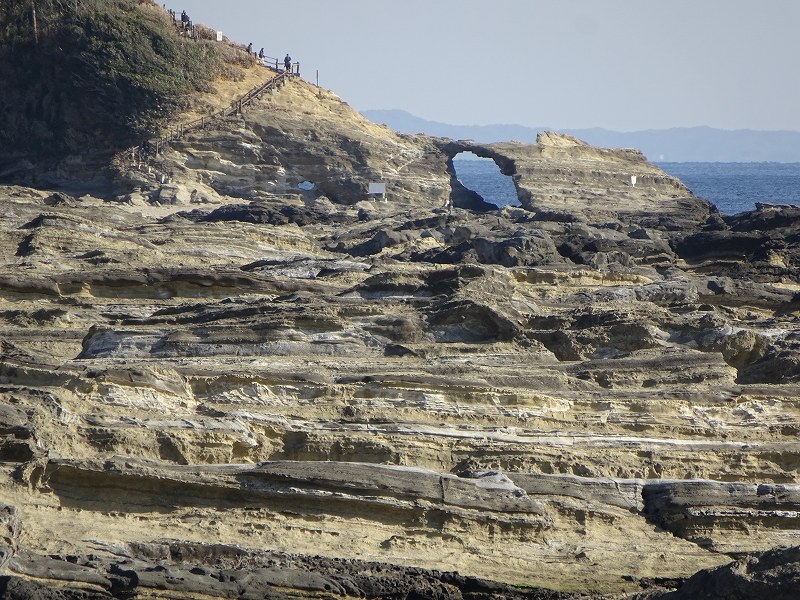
[(732, 187), (736, 187), (482, 175)]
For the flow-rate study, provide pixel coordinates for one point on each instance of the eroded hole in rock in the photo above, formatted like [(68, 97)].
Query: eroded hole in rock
[(306, 186), (483, 176)]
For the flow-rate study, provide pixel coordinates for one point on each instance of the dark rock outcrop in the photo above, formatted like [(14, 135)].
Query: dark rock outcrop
[(773, 575)]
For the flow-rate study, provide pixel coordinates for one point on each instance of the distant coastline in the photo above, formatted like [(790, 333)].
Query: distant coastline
[(682, 144)]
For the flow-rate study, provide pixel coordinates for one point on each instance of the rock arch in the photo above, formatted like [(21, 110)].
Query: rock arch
[(462, 197)]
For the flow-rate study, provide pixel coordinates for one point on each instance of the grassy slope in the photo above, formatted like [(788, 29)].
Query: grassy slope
[(103, 75)]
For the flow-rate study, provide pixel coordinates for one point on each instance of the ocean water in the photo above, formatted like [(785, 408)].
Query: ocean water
[(736, 187), (483, 176), (732, 187)]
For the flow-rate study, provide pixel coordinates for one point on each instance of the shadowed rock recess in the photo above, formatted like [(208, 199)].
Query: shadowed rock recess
[(217, 384)]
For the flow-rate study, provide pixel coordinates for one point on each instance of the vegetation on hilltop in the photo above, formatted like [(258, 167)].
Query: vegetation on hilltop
[(80, 76)]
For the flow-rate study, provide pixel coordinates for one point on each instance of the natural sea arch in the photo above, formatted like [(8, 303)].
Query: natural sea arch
[(483, 176)]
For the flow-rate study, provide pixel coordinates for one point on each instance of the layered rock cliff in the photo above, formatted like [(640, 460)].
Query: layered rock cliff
[(219, 382)]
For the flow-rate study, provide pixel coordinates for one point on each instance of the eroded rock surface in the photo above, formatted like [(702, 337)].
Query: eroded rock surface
[(772, 575), (229, 384)]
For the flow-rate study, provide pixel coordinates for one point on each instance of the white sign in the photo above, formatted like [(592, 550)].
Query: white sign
[(219, 36), (633, 180), (377, 188)]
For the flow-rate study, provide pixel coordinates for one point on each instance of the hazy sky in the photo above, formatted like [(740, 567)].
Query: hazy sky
[(619, 64)]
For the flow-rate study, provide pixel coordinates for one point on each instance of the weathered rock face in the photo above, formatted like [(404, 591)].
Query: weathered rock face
[(773, 575), (230, 393), (563, 179), (300, 135), (187, 570), (303, 135)]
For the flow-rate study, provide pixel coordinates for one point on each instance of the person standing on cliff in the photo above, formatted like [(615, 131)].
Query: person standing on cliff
[(287, 62)]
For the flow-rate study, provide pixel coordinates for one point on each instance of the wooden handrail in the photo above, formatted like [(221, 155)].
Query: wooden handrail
[(152, 148)]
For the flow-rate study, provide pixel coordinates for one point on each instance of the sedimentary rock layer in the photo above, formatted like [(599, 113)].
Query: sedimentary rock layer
[(220, 381)]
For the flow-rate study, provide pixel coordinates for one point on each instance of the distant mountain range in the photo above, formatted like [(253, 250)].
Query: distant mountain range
[(680, 144)]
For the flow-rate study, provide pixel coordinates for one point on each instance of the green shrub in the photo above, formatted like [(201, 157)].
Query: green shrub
[(95, 74)]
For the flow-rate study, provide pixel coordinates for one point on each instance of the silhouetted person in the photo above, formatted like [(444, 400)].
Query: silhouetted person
[(261, 54), (287, 62), (184, 19), (250, 48)]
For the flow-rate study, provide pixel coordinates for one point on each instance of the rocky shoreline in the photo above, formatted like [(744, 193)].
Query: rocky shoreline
[(223, 384)]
